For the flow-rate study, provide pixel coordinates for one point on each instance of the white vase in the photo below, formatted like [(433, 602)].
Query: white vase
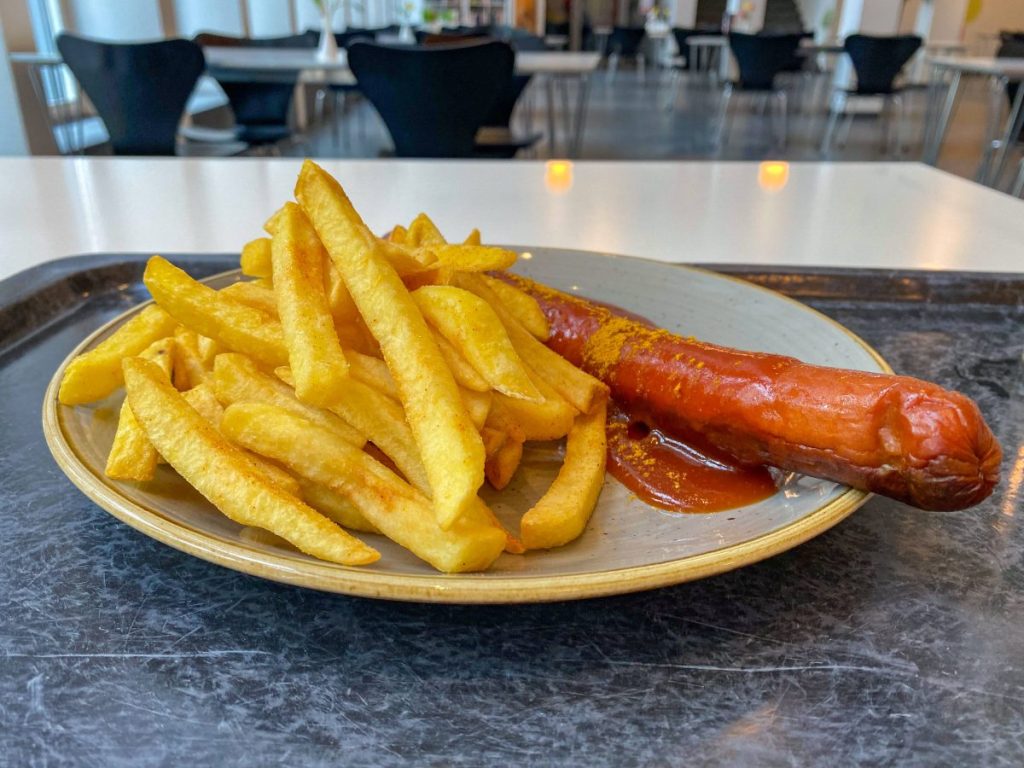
[(328, 50), (405, 34)]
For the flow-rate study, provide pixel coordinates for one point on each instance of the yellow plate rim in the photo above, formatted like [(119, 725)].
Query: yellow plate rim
[(434, 588)]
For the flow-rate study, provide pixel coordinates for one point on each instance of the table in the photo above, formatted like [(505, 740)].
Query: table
[(1000, 71), (891, 639), (267, 63)]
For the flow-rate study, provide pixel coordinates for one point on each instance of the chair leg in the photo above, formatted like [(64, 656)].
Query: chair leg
[(830, 128), (641, 64), (844, 132), (782, 103), (885, 126), (900, 108), (613, 66), (1018, 185), (722, 133)]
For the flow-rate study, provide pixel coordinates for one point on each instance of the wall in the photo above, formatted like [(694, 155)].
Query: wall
[(820, 16), (986, 18), (12, 132), (123, 20)]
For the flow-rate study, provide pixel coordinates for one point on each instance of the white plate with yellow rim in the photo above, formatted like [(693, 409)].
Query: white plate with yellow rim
[(628, 545)]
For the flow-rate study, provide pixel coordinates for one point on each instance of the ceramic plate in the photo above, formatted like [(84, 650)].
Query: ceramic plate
[(627, 546)]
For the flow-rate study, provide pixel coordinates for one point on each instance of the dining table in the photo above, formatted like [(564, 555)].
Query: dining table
[(556, 68), (891, 638)]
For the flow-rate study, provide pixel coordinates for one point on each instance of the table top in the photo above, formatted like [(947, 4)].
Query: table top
[(292, 59), (980, 65), (890, 215)]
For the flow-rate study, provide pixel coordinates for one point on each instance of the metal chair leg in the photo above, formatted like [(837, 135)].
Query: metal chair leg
[(782, 103), (1018, 185), (845, 129), (830, 128), (722, 133)]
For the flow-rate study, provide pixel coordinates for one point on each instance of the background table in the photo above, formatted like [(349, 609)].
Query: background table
[(894, 638)]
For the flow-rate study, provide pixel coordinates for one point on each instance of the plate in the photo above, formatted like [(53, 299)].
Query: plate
[(628, 545)]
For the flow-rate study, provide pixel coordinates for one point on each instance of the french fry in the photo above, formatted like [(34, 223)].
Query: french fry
[(522, 306), (188, 369), (423, 232), (335, 506), (205, 403), (397, 234), (493, 440), (562, 513), (318, 366), (255, 259), (253, 295), (465, 375), (474, 329), (478, 405), (449, 445), (473, 258), (225, 477), (206, 312), (373, 372), (97, 373), (499, 468), (208, 350), (548, 420), (581, 389), (401, 512), (343, 309), (237, 379), (473, 238), (132, 456), (380, 420)]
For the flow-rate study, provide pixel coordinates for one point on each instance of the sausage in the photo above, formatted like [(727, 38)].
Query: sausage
[(894, 435)]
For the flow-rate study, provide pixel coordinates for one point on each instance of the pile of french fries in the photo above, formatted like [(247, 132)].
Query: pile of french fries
[(356, 383)]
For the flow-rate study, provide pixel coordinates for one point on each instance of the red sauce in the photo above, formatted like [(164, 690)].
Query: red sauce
[(675, 475)]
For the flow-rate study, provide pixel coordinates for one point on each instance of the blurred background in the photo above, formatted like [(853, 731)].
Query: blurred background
[(857, 80)]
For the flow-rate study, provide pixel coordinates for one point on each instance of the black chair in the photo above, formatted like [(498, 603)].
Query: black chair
[(260, 108), (626, 42), (496, 138), (139, 90), (760, 59), (433, 100), (877, 62)]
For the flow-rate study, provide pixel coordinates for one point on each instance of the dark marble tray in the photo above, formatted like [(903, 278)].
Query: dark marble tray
[(895, 638)]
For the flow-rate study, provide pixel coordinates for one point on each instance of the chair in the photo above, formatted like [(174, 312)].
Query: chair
[(626, 42), (760, 59), (433, 100), (139, 90), (877, 62), (260, 108)]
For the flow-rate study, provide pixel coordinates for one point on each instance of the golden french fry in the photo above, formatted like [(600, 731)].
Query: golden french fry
[(450, 447), (237, 379), (206, 312), (253, 295), (521, 305), (581, 389), (255, 260), (254, 535), (493, 440), (478, 405), (373, 372), (95, 374), (473, 258), (423, 232), (188, 370), (225, 477), (473, 238), (318, 366), (499, 468), (548, 420), (335, 506), (343, 309), (380, 420), (397, 234), (465, 375), (401, 512), (132, 456), (208, 350), (474, 329), (562, 513), (205, 403)]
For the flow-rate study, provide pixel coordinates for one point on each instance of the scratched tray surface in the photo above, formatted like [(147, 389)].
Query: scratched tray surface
[(894, 637)]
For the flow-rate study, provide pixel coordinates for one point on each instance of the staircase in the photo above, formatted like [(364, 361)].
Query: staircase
[(779, 15)]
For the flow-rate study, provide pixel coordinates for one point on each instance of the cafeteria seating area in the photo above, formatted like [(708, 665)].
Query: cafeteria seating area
[(801, 80)]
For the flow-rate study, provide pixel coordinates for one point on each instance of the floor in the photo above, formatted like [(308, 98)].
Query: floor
[(628, 119)]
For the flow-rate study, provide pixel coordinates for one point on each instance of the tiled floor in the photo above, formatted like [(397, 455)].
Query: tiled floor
[(627, 119)]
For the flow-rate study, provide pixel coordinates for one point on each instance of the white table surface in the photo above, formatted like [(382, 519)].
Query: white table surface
[(291, 59), (898, 215), (981, 65)]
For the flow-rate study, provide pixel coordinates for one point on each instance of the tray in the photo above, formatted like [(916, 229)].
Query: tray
[(892, 635)]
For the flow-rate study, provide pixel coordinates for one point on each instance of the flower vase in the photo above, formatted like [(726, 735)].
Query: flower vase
[(328, 49)]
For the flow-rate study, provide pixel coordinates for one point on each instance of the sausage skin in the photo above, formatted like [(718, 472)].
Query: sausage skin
[(894, 435)]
